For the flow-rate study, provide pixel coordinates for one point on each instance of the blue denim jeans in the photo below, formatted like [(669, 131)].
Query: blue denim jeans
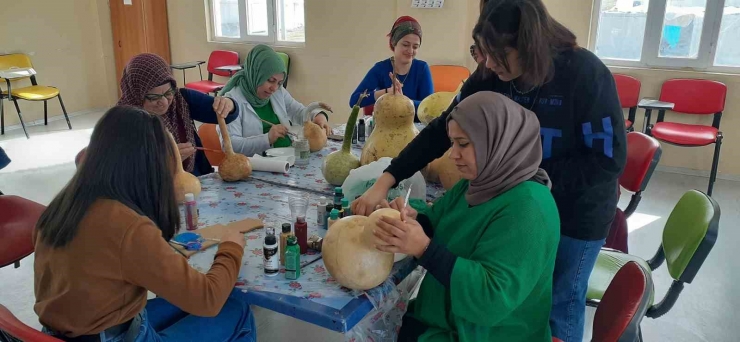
[(573, 265), (161, 321)]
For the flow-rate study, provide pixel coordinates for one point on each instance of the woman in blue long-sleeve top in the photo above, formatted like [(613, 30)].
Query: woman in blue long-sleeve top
[(413, 79)]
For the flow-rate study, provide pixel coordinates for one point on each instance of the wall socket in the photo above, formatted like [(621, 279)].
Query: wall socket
[(427, 3)]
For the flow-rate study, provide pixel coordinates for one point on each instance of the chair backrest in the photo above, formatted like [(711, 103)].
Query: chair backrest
[(623, 305), (448, 77), (286, 59), (219, 58), (643, 155), (15, 61), (690, 234), (209, 138), (692, 96), (11, 326), (16, 227), (628, 89)]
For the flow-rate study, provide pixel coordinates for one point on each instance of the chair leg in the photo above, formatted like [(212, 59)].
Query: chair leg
[(20, 117), (46, 112), (2, 116), (64, 110), (715, 164)]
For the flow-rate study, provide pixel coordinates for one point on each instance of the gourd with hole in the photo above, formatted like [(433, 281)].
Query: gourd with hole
[(350, 255), (234, 167), (185, 182), (338, 164), (315, 135)]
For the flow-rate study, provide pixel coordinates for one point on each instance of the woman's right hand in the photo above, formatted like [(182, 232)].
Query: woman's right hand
[(234, 236), (406, 213), (375, 196), (276, 132)]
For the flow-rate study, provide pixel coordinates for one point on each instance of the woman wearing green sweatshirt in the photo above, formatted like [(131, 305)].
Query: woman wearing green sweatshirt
[(489, 244)]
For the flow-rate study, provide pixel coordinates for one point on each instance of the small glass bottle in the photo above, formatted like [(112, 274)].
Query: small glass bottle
[(333, 217), (321, 211), (329, 208), (361, 131), (302, 152), (293, 259), (191, 212), (270, 254), (283, 241), (346, 210)]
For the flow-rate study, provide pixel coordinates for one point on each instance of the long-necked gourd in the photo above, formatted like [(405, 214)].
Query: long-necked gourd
[(234, 167), (185, 182), (338, 164)]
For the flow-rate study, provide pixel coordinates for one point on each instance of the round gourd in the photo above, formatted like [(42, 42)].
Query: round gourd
[(185, 182), (315, 135), (433, 105), (442, 170), (234, 167), (350, 255), (394, 128)]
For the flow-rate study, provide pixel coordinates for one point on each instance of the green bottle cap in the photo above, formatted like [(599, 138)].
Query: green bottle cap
[(345, 202), (292, 240), (338, 190), (334, 214)]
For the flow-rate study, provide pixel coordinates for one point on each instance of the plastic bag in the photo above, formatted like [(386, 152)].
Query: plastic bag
[(362, 178)]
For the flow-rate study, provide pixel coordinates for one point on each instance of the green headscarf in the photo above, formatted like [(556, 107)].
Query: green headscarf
[(261, 63)]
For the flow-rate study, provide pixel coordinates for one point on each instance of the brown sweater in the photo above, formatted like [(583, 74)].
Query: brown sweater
[(100, 279)]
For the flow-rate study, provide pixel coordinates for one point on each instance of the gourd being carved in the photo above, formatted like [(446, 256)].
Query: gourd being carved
[(185, 182), (338, 164), (394, 128), (350, 255), (234, 167), (315, 135)]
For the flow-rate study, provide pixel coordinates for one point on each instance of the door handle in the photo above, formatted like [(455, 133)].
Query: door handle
[(119, 44)]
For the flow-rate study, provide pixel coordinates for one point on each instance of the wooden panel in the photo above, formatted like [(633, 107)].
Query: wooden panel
[(127, 22), (157, 31)]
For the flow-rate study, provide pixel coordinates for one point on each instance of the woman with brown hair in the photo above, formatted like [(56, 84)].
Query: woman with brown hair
[(102, 244), (535, 61)]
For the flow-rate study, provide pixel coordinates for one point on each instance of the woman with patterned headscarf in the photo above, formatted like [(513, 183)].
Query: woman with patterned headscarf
[(414, 79), (147, 83), (266, 107)]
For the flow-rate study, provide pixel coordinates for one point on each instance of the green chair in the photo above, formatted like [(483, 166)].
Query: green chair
[(688, 237), (286, 59)]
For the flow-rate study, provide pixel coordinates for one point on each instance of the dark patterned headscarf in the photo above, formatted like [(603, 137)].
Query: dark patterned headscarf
[(145, 72), (403, 26)]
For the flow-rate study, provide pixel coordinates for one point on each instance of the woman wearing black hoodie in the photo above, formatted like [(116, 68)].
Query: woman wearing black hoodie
[(536, 61)]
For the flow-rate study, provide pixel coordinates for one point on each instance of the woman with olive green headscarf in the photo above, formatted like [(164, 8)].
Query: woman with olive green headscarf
[(257, 89)]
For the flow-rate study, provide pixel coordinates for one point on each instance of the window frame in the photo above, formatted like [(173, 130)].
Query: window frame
[(650, 57), (272, 37)]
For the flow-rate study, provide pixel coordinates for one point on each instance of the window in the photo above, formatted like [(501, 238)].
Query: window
[(277, 22), (693, 34)]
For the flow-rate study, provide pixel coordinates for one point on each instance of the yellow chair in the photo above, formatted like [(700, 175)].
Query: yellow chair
[(34, 92)]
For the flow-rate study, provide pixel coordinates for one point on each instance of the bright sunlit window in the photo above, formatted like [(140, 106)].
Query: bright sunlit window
[(275, 22), (697, 34)]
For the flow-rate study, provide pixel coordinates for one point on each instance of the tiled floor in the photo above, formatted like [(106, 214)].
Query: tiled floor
[(705, 310)]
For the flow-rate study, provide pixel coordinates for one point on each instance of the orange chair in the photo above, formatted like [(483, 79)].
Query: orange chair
[(448, 77), (628, 88), (210, 140), (35, 92), (16, 228), (12, 329)]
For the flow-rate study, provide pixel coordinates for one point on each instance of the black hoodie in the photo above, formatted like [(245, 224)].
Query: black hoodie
[(583, 139)]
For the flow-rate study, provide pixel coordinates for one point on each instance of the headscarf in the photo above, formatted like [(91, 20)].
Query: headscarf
[(506, 138), (147, 71), (403, 26), (261, 63)]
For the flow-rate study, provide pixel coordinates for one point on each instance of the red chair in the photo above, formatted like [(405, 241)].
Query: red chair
[(623, 306), (12, 329), (218, 58), (16, 228), (697, 97), (628, 88), (643, 155), (368, 111)]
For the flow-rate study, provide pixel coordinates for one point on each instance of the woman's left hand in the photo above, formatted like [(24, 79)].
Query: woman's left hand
[(323, 123), (223, 106), (401, 237)]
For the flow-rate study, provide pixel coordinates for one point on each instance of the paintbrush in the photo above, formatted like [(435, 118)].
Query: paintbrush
[(208, 149), (272, 124)]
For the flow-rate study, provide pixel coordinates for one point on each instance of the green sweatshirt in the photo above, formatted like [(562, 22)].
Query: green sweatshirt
[(501, 286)]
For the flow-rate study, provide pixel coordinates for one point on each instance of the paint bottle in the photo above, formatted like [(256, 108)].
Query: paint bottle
[(321, 211), (191, 212), (283, 241), (327, 211), (346, 210), (354, 135), (361, 131), (338, 195), (301, 232), (293, 259), (333, 217), (270, 254)]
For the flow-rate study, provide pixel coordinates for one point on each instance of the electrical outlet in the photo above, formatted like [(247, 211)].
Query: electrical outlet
[(427, 3)]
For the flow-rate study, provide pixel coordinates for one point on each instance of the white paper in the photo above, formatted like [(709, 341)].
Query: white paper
[(269, 165), (289, 159)]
